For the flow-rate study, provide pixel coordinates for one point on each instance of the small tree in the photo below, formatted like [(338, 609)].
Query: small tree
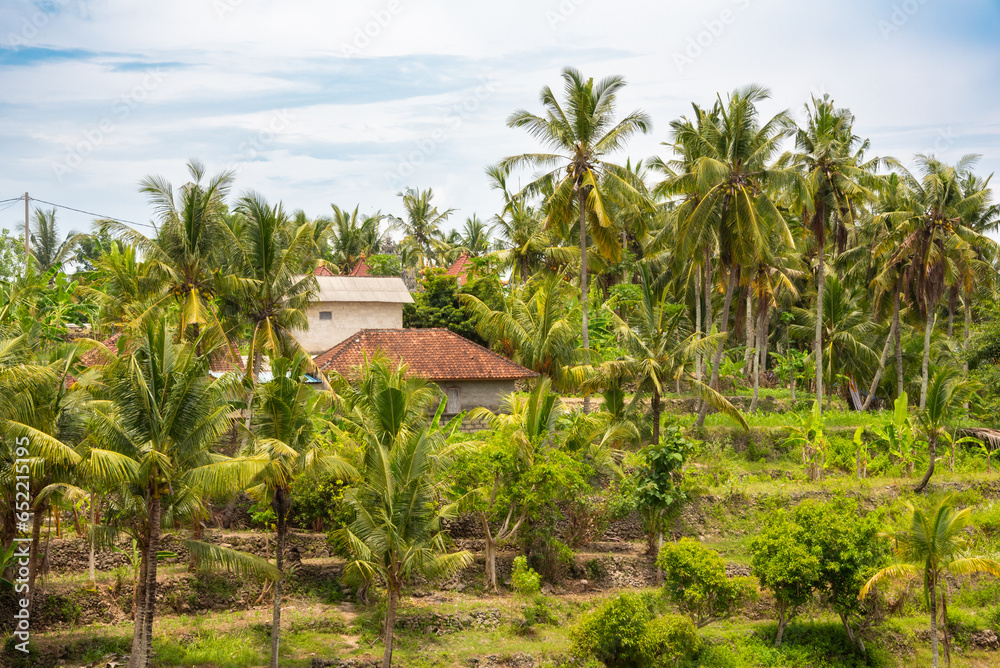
[(945, 395), (810, 437), (695, 580), (784, 563), (659, 496)]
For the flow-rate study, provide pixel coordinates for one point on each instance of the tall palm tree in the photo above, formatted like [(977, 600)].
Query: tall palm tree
[(946, 394), (353, 236), (474, 237), (46, 247), (287, 434), (732, 178), (930, 235), (192, 240), (267, 290), (165, 413), (931, 548), (838, 182), (582, 133), (421, 225)]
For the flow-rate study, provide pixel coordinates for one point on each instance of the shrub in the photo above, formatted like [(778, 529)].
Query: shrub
[(695, 579), (669, 641), (614, 632), (525, 580)]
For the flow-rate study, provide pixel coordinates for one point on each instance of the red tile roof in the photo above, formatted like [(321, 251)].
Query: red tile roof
[(461, 268), (323, 270), (434, 354), (361, 269)]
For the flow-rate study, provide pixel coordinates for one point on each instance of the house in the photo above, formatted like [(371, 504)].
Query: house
[(345, 305), (469, 374)]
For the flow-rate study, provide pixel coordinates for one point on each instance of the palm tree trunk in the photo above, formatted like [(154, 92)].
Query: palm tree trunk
[(885, 356), (281, 509), (934, 634), (749, 325), (818, 342), (91, 560), (931, 456), (150, 590), (254, 372), (952, 301), (900, 385), (925, 371), (968, 326), (390, 625), (37, 519), (717, 360), (707, 286), (656, 416), (697, 321), (139, 613), (584, 292), (756, 362)]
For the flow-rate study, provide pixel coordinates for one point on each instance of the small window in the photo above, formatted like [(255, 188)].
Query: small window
[(454, 400), (326, 315)]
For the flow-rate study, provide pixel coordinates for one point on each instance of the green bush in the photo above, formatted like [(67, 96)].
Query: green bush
[(614, 632), (695, 579), (525, 580), (318, 503), (669, 641)]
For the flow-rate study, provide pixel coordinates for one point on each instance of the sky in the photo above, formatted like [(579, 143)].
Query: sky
[(347, 103)]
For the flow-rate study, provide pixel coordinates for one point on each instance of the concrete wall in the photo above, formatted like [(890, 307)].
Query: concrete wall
[(347, 318), (484, 393)]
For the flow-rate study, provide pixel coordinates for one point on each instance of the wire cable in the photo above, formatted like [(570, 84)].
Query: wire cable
[(13, 199), (91, 213)]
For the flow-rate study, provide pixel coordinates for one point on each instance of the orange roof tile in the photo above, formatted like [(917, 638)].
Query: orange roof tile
[(323, 270), (434, 354), (461, 268), (361, 269)]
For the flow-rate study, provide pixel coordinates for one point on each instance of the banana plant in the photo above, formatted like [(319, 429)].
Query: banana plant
[(898, 436), (810, 437), (861, 452)]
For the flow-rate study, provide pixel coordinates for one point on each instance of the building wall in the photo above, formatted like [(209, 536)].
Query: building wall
[(484, 393), (347, 318)]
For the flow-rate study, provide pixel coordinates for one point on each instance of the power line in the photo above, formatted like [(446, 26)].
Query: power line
[(91, 213), (12, 199)]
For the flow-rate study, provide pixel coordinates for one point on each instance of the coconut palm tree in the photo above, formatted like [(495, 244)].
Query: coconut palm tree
[(45, 246), (929, 236), (421, 225), (731, 180), (192, 242), (353, 236), (520, 238), (286, 432), (838, 182), (396, 532), (946, 394), (582, 133), (930, 548), (474, 237), (535, 326), (165, 413)]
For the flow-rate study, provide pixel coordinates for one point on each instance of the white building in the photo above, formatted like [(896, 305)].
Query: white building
[(346, 305)]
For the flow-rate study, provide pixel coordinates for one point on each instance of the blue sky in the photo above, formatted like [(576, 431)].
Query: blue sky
[(341, 102)]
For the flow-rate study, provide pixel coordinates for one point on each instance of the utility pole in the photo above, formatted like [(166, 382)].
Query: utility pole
[(27, 232)]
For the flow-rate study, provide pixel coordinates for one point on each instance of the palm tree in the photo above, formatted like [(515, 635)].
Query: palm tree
[(267, 290), (192, 239), (474, 238), (660, 348), (353, 237), (931, 548), (946, 393), (521, 239), (929, 235), (165, 412), (421, 225), (286, 434), (396, 532), (46, 248), (730, 180), (582, 132), (837, 183), (535, 326)]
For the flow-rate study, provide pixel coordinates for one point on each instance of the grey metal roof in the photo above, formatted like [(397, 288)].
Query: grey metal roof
[(389, 289)]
